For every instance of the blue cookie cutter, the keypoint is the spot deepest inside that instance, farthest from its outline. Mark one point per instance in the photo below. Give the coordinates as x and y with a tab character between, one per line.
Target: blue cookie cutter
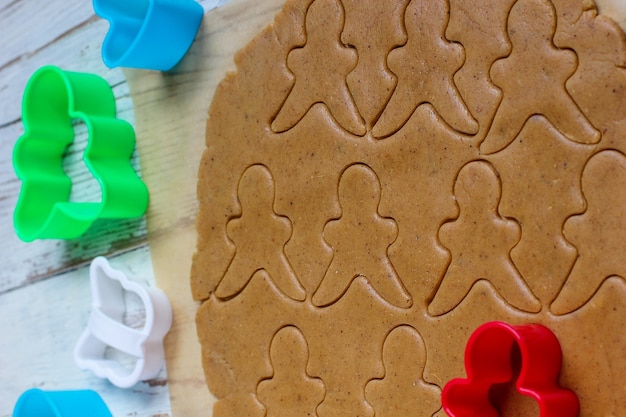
36	402
148	34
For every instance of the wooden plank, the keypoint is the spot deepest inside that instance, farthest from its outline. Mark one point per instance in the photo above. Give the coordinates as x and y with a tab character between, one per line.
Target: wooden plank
28	26
41	324
79	50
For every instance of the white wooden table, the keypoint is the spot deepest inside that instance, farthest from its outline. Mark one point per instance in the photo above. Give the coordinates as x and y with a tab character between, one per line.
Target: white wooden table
44	285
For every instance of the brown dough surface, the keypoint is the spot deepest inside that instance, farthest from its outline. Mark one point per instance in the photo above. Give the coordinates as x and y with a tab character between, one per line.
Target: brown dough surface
383	177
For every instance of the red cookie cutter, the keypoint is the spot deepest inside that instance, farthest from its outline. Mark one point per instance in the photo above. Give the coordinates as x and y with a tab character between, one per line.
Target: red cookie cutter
489	361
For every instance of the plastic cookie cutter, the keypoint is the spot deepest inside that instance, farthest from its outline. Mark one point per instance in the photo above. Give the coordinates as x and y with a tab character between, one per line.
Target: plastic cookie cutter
489	361
52	99
106	329
36	402
148	34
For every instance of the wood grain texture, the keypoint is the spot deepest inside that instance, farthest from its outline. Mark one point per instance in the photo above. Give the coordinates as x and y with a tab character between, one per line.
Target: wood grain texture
20	38
40	326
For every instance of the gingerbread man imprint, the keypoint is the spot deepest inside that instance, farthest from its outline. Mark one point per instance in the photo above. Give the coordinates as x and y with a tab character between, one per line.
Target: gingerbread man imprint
320	68
403	390
480	241
599	234
360	239
546	69
425	67
259	235
290	391
373	30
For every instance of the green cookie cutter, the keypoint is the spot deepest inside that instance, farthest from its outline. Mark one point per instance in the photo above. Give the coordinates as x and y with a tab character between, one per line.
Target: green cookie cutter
52	99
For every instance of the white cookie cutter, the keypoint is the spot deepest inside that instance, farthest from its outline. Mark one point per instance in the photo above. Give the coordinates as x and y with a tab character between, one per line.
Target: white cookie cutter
106	328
